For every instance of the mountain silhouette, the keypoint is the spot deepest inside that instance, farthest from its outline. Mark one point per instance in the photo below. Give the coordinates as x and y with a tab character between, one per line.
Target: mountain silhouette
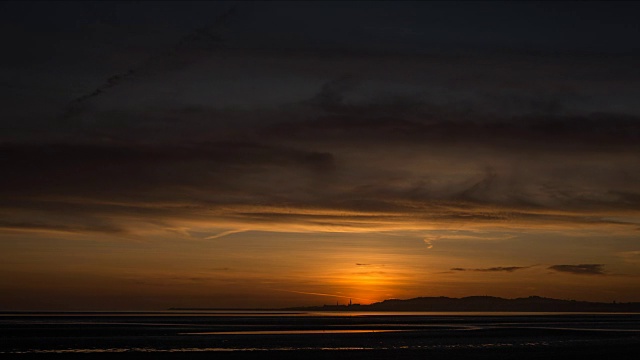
483	303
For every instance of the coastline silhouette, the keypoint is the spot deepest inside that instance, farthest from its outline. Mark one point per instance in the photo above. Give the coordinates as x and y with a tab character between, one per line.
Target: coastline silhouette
470	303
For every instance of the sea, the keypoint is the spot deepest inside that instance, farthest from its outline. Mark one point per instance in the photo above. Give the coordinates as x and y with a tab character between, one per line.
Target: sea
310	335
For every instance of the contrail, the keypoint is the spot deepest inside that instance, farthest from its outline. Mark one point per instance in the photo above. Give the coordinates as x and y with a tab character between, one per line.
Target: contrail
206	36
225	233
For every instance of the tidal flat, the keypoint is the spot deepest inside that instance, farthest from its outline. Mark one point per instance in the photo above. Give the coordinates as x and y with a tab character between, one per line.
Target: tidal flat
317	335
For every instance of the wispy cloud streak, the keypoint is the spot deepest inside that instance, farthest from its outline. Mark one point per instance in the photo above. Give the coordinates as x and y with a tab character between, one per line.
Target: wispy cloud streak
494	269
323	294
225	233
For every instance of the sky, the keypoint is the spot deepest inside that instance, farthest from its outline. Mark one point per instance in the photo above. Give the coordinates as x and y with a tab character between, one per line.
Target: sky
249	154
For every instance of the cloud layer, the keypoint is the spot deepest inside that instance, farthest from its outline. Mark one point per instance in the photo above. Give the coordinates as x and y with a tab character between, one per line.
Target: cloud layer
494	269
581	269
276	138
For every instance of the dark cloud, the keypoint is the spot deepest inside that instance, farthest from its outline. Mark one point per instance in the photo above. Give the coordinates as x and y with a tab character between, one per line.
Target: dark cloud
494	269
590	132
369	139
581	269
60	228
251	185
126	168
332	94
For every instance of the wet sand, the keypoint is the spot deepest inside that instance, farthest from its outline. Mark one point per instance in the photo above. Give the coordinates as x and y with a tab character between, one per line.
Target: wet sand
594	351
320	337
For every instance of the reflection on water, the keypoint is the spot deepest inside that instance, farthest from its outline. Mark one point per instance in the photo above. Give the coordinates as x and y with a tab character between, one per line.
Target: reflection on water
217	331
290	332
152	350
270	349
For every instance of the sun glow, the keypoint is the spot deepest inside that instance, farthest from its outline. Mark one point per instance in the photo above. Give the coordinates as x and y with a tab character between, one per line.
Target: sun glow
367	284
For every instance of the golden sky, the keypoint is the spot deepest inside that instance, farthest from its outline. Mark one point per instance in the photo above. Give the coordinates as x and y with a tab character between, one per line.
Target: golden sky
209	157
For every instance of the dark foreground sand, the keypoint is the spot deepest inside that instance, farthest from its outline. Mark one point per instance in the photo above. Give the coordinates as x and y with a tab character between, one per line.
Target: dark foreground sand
617	351
609	337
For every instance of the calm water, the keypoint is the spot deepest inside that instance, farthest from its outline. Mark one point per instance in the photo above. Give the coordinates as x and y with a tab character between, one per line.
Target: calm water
232	331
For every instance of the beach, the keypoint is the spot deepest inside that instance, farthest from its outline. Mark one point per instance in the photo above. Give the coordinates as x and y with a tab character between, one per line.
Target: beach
295	335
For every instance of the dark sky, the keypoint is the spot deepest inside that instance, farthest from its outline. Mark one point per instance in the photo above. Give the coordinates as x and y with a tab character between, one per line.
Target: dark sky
55	51
276	145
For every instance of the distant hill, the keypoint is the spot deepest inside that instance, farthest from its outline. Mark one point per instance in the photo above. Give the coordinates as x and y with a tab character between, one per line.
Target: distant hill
481	303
